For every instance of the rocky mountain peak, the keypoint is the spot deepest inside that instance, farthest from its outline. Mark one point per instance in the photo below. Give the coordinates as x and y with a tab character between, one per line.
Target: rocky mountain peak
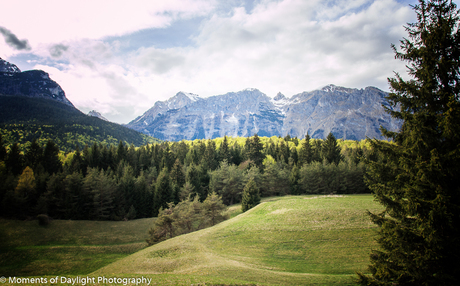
279	97
6	67
33	83
185	95
94	113
334	88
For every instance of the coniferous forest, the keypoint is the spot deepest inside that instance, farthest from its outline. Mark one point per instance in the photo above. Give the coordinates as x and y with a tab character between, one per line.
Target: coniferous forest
117	182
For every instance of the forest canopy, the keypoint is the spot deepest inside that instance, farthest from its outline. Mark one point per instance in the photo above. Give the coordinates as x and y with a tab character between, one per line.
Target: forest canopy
117	181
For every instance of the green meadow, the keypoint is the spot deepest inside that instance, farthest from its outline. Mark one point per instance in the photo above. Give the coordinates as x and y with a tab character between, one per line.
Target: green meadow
292	240
66	246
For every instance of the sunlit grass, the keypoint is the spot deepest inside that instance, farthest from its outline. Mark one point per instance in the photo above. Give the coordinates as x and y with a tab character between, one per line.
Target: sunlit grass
293	240
283	241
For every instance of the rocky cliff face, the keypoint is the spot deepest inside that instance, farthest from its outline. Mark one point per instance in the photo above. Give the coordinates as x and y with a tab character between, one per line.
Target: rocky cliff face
34	83
348	113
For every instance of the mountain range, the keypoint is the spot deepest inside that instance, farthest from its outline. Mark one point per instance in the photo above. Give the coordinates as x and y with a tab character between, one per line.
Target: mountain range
348	113
32	105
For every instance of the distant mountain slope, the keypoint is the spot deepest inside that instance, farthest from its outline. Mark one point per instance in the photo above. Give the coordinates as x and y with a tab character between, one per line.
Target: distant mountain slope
34	106
24	118
348	113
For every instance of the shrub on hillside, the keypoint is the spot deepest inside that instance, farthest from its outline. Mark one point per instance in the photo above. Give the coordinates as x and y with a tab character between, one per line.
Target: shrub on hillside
43	219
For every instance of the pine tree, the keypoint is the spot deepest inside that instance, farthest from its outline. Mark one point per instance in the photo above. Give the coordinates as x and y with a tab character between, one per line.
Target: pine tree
52	163
34	155
254	151
306	152
121	152
224	151
418	181
14	160
251	196
330	150
162	191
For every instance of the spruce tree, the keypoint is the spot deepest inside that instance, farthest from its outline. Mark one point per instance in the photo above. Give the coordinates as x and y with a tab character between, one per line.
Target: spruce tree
417	181
251	196
14	160
330	150
52	163
33	155
162	191
306	152
224	151
255	151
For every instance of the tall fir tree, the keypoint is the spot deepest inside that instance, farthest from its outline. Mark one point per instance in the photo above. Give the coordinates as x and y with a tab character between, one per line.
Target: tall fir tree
330	150
162	191
255	151
306	152
14	160
251	196
33	155
52	163
418	181
224	151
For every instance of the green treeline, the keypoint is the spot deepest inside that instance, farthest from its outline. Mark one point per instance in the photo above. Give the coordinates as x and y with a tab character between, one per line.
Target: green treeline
117	181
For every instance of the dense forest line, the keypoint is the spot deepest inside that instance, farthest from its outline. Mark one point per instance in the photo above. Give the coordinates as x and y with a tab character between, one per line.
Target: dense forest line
115	182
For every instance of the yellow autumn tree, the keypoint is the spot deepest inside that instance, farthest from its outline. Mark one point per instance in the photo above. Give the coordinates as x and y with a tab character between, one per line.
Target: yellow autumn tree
26	183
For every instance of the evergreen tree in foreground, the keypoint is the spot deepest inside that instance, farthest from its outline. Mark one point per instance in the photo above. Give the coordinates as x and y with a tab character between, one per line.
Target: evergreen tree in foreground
418	178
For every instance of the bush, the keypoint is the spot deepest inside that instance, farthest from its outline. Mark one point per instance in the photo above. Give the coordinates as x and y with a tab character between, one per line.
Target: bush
43	219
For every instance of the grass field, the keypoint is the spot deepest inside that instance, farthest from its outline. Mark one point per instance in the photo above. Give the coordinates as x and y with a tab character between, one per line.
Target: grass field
67	247
304	240
301	240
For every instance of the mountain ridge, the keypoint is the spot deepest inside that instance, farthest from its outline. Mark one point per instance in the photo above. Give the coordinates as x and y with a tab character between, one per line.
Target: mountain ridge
348	113
32	105
32	83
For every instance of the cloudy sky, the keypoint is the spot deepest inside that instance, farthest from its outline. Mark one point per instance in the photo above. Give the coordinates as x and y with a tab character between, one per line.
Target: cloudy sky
119	57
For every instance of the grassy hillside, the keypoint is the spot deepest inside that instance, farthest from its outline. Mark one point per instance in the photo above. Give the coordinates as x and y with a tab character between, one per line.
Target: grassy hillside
23	118
303	240
66	246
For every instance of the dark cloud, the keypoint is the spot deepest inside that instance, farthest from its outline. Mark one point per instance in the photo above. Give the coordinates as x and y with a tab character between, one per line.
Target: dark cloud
13	41
57	50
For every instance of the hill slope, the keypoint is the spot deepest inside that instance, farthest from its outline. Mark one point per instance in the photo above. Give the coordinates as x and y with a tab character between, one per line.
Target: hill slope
284	241
24	118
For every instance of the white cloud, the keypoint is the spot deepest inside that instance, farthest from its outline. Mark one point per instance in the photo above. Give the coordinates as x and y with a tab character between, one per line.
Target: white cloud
286	46
54	21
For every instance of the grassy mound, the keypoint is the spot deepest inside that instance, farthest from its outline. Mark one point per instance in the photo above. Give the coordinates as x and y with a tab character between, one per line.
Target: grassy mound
302	240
